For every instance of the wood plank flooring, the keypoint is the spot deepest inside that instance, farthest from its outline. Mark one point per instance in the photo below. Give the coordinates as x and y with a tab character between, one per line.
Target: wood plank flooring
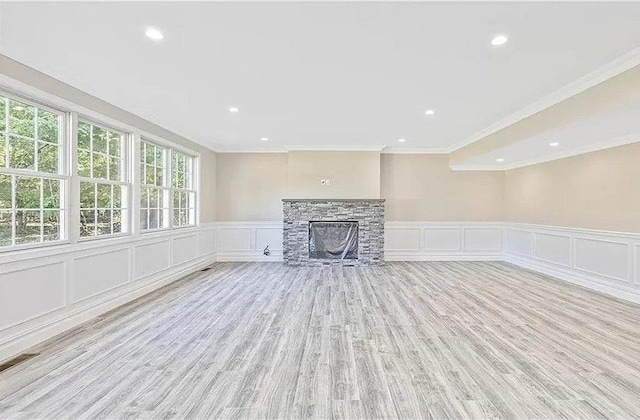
407	340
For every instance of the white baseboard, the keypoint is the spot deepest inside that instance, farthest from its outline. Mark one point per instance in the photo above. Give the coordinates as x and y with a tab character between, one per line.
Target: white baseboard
241	256
589	282
389	256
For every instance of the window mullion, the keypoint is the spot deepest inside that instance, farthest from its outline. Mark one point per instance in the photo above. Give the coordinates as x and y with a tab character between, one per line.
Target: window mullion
170	185
136	190
13	210
73	196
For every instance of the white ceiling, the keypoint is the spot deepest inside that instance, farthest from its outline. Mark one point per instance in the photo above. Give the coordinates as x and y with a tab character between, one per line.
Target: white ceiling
348	75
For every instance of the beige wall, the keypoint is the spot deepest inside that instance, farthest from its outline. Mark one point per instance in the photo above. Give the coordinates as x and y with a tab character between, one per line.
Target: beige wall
352	174
251	186
422	188
599	190
208	187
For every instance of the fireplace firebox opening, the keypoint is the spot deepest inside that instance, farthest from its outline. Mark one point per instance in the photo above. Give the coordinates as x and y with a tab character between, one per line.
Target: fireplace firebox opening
334	240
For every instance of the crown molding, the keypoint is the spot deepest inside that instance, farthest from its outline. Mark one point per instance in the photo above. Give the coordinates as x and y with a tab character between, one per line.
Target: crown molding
416	151
250	150
609	70
476	167
594	147
336	148
576	151
381	149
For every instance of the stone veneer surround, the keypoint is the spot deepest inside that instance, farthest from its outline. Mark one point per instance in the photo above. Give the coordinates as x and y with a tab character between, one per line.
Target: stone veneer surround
369	213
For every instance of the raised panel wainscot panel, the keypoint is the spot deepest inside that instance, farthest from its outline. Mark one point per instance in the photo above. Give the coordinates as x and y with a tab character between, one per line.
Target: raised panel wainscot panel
184	249
151	258
234	239
553	248
482	239
271	237
95	274
207	242
519	242
442	239
606	258
28	293
401	239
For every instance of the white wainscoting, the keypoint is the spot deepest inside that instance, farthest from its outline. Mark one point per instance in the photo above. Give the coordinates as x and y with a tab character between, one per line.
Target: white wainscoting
246	241
404	241
603	261
442	241
48	290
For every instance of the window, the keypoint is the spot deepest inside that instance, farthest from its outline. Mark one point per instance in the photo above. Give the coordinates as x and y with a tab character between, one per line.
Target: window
32	177
154	191
37	179
183	189
103	186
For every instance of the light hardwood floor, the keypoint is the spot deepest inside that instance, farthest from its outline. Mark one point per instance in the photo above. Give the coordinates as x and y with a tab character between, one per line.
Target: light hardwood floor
408	340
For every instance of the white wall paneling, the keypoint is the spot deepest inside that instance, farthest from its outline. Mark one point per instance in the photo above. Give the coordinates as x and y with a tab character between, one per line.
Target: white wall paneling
519	242
445	241
482	239
603	261
150	258
184	249
553	248
402	239
636	264
27	293
98	272
46	291
245	241
603	257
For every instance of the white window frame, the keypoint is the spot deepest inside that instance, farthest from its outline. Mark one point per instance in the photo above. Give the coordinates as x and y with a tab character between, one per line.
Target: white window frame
165	188
195	185
72	112
126	181
63	174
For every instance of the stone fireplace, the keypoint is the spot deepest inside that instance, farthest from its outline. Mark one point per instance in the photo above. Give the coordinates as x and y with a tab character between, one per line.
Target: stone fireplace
333	231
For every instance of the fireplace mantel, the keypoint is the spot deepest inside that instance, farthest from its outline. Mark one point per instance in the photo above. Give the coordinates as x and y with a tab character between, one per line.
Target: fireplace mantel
298	212
338	200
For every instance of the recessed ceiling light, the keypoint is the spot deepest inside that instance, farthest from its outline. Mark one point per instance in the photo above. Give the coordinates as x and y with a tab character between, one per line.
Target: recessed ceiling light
429	112
499	160
265	139
153	33
234	109
554	144
401	140
499	40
